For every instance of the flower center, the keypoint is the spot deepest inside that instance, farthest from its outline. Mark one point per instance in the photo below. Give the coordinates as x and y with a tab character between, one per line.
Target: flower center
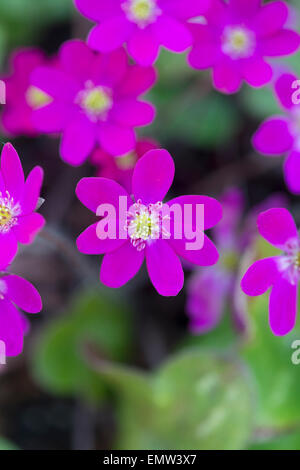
95	101
238	42
145	223
127	161
289	262
37	98
141	12
9	211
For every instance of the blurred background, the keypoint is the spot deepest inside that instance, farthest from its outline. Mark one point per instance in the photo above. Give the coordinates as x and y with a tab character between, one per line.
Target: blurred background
129	369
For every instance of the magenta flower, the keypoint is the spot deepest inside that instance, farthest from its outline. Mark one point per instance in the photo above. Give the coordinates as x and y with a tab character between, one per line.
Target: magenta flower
281	134
138	235
21	97
95	101
211	290
281	273
145	25
120	169
237	38
19	223
16	292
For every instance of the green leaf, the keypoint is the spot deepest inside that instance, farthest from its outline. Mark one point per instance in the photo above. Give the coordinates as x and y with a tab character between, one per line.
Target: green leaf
59	361
7	445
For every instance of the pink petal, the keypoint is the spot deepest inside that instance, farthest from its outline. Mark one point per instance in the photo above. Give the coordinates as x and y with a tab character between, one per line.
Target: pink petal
52	117
110	34
120	266
186	10
11	328
22	293
260	277
164	268
285	90
32	190
292	172
98	11
78	140
55	83
28	227
205	51
12	172
257	72
212	208
277	226
89	243
130	113
227	77
153	176
115	139
207	256
217	14
282	43
172	34
283	307
76	59
244	9
273	137
138	80
271	18
110	69
9	248
95	191
143	47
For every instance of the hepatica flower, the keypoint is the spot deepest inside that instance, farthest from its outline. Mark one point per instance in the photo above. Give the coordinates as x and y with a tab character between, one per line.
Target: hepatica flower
280	273
238	38
140	232
21	97
16	293
94	101
280	134
145	25
121	168
19	223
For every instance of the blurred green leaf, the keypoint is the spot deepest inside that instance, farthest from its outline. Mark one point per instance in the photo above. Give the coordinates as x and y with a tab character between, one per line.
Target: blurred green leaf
197	400
7	445
59	362
288	441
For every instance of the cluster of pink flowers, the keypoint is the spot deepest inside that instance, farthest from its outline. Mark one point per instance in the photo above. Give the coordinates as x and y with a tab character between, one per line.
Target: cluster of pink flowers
19	223
91	95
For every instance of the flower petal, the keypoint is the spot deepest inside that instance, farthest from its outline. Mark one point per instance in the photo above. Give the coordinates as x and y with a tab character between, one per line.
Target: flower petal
32	190
55	83
283	307
186	10
11	328
257	72
12	172
292	172
22	293
143	47
285	90
115	139
78	140
76	59
207	256
164	268
130	113
95	191
273	137
212	208
137	81
172	34
90	244
244	9
53	117
153	176
227	77
98	11
205	51
9	248
110	34
277	226
260	277
28	227
121	265
284	42
271	18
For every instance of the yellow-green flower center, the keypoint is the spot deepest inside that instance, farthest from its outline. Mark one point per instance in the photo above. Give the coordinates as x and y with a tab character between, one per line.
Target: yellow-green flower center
238	42
37	98
141	12
127	161
5	215
9	212
95	101
144	223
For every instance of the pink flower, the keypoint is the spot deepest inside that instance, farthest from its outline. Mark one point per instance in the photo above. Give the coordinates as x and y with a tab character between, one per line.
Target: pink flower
21	97
236	39
16	292
121	168
19	223
145	25
136	236
95	101
281	134
281	273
